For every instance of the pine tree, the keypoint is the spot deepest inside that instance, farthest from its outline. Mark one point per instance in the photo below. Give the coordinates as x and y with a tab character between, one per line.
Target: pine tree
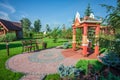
88	10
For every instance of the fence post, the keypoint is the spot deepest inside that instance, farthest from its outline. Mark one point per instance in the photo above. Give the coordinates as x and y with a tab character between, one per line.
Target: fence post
7	47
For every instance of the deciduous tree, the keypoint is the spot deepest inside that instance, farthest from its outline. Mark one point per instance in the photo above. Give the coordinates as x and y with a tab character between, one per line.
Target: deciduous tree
37	25
48	28
26	23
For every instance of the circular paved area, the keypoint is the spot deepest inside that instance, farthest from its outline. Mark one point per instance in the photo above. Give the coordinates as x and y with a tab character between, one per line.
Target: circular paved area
36	65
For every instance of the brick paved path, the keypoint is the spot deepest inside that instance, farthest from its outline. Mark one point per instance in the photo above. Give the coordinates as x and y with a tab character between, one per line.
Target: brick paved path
36	65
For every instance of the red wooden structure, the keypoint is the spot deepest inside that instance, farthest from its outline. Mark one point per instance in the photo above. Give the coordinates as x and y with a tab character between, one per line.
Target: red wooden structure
84	24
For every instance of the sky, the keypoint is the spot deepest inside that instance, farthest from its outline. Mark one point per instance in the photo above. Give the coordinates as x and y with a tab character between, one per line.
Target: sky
52	12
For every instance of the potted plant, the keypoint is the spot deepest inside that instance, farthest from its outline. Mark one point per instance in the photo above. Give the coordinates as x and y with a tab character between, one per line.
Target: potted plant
44	45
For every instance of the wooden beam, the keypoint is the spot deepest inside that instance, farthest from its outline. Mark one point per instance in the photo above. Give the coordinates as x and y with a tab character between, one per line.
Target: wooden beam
3	26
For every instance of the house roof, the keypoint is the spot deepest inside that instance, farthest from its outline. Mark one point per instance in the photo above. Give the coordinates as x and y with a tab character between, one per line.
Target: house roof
90	20
11	25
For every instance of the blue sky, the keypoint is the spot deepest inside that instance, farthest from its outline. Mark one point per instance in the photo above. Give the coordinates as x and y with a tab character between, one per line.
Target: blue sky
52	12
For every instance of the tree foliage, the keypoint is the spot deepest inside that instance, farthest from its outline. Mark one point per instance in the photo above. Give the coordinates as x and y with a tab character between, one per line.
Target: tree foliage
37	25
55	33
26	23
88	10
113	17
68	33
48	28
110	59
113	20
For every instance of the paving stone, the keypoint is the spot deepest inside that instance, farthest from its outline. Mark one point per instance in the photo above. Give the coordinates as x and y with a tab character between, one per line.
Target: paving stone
37	64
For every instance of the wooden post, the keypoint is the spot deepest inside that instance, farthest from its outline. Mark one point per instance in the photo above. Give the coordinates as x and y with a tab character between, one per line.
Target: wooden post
7	47
97	30
74	39
84	40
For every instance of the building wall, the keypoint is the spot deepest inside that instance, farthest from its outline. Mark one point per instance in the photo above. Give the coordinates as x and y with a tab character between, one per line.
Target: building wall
19	34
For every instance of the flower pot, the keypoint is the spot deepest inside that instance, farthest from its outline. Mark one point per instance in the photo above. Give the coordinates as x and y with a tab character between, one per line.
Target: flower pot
44	45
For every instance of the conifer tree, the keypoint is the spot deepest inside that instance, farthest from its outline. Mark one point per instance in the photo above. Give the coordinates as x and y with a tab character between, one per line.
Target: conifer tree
88	10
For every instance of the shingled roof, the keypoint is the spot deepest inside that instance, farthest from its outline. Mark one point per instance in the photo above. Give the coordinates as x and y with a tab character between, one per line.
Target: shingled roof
11	25
89	19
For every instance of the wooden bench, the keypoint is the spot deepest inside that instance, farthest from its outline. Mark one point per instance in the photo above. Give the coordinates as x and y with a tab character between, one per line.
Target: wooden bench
27	46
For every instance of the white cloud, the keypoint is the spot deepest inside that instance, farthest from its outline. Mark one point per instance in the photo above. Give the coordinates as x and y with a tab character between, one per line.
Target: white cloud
4	15
8	6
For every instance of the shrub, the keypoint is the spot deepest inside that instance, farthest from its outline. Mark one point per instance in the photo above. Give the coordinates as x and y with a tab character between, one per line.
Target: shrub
111	59
102	50
55	33
65	71
52	77
66	45
10	36
83	64
110	77
2	38
31	34
68	71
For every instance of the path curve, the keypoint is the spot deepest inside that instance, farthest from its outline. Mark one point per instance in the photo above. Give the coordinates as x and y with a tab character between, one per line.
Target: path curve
36	65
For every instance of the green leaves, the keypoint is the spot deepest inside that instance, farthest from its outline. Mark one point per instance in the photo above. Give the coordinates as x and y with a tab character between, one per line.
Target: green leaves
37	25
68	71
55	33
110	58
109	8
113	20
52	77
88	10
26	23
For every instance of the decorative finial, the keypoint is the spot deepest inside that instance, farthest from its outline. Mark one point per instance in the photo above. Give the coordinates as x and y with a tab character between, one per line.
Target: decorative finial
77	17
92	15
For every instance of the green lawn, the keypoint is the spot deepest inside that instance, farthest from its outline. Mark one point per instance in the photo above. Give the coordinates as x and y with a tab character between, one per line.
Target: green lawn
16	48
4	73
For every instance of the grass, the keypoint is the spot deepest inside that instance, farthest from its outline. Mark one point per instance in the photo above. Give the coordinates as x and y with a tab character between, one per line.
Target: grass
84	65
16	48
52	77
6	74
